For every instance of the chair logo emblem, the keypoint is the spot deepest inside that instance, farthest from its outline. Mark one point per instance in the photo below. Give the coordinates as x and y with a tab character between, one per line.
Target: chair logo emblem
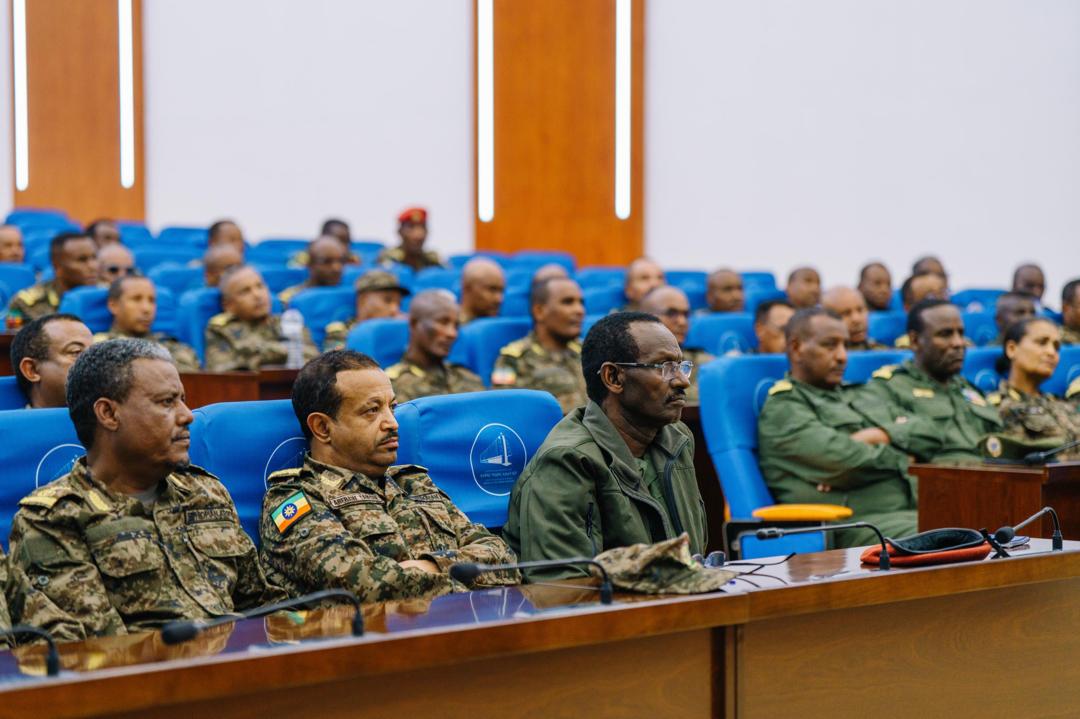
496	458
57	462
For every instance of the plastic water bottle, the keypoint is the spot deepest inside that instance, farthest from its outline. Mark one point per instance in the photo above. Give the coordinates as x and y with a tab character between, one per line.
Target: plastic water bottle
292	328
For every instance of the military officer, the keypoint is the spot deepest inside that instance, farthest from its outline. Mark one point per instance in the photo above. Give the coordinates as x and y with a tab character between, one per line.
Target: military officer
1070	313
114	261
217	261
803	287
413	230
850	306
549	358
770	320
815	447
927	286
643	275
132	301
103	232
620	470
228	234
42	354
349	518
924	405
1029	279
724	291
325	263
246	335
11	244
483	284
672	307
1011	307
875	284
424	371
337	229
378	296
74	259
134	536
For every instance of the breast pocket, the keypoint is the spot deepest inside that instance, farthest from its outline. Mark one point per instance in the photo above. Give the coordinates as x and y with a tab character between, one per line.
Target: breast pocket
219	548
425	524
131	564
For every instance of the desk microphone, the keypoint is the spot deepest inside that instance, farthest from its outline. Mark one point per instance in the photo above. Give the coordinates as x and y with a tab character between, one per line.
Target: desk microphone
52	657
1041	457
467	572
1006	534
778	532
182	630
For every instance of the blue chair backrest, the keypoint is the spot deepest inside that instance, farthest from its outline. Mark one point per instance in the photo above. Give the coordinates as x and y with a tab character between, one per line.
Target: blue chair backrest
437	278
479	342
178	279
604	299
367	249
721	332
687	280
1067	371
758	280
243	443
977	300
587	324
190	236
404	273
39	216
601	277
275	250
515	304
16	276
519	279
322	305
476	444
147	257
383	340
90	304
861	365
278	277
538	258
980	327
39	259
979	367
885	327
134	234
755	297
11	397
39	446
195	309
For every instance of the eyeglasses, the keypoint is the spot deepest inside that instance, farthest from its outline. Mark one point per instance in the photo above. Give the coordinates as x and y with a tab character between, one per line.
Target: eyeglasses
667	369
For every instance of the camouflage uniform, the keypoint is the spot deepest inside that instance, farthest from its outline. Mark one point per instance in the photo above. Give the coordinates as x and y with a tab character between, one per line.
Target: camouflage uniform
1033	423
525	364
232	344
302	258
410	381
392	255
866	346
336	334
1073	393
35	302
113	565
338	528
183	354
288	293
700	358
1070	336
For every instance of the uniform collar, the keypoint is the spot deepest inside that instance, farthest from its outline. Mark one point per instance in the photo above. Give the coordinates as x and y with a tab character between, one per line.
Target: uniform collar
103	498
668	439
956	381
337	477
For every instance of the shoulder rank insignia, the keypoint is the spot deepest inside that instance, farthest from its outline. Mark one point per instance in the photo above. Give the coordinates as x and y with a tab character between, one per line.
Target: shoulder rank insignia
220	320
994	398
394	371
289	511
1074	389
780	386
31	295
335	327
503	376
885	372
974	397
514	349
922	393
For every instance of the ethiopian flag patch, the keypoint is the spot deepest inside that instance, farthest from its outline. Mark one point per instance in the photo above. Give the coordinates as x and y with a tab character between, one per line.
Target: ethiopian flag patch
290	510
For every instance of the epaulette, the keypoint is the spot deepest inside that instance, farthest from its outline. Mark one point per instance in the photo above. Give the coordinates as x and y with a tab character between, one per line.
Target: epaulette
404	470
335	327
31	295
45	497
395	370
574	345
885	372
284	474
220	320
101	337
515	348
994	398
902	342
779	386
1074	389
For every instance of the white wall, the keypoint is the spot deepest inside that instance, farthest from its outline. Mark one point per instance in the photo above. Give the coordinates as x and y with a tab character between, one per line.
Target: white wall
7	138
783	132
281	113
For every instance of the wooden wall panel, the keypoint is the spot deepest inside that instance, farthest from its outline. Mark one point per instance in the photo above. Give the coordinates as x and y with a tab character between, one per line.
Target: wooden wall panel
555	131
74	110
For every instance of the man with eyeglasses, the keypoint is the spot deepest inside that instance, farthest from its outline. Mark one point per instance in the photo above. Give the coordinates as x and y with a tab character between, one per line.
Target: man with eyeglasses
114	262
818	446
620	470
672	306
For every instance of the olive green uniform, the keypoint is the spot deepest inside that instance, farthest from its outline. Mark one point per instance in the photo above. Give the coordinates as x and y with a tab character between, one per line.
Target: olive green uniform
867	346
807	456
113	565
302	259
35	302
396	255
931	421
700	358
526	364
1033	423
583	493
336	334
233	344
182	354
325	526
411	381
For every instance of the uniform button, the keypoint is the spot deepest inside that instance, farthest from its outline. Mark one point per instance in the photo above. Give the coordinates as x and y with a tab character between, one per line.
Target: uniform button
304	531
42	580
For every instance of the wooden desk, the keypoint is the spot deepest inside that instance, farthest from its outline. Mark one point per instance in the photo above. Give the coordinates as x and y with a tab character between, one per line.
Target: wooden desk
707	478
205	388
995	495
990	638
5	353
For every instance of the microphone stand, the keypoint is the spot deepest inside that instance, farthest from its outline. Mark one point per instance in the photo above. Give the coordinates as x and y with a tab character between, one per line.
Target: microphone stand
778	532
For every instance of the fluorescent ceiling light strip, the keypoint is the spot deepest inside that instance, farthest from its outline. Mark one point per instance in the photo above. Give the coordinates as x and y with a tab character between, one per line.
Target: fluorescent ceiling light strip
485	110
22	139
622	108
127	94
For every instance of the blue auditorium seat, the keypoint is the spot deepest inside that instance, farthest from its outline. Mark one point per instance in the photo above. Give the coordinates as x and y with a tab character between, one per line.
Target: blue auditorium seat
178	279
278	277
135	234
538	258
437	278
686	280
383	340
1067	371
243	443
90	305
589	277
194	310
860	365
515	303
11	397
39	446
755	297
519	279
885	327
476	444
604	299
40	217
587	324
980	327
458	261
16	276
979	367
179	236
758	280
977	300
147	257
275	251
479	342
733	390
322	305
39	260
720	333
367	250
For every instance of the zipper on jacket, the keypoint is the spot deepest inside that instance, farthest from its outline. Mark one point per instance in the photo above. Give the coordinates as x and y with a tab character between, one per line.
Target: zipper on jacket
669	491
589	528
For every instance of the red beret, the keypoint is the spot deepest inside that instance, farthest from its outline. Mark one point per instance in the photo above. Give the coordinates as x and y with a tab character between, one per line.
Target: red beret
413	214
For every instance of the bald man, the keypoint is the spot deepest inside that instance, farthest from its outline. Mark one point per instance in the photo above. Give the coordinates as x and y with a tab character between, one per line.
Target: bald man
672	307
11	244
326	264
724	292
804	287
642	277
850	306
550	271
424	371
115	261
217	261
482	287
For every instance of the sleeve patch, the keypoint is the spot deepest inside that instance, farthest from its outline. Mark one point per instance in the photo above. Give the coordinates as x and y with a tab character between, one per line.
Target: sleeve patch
289	511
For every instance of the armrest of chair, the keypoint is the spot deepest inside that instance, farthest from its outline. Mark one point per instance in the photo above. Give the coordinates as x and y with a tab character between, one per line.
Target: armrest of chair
802	512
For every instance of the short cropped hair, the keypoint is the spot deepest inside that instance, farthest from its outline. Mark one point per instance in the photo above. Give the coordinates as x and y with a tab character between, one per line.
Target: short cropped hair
216	228
761	312
31	342
609	340
540	292
56	245
104	370
915	321
116	287
315	389
869	266
1068	293
799	324
332	222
